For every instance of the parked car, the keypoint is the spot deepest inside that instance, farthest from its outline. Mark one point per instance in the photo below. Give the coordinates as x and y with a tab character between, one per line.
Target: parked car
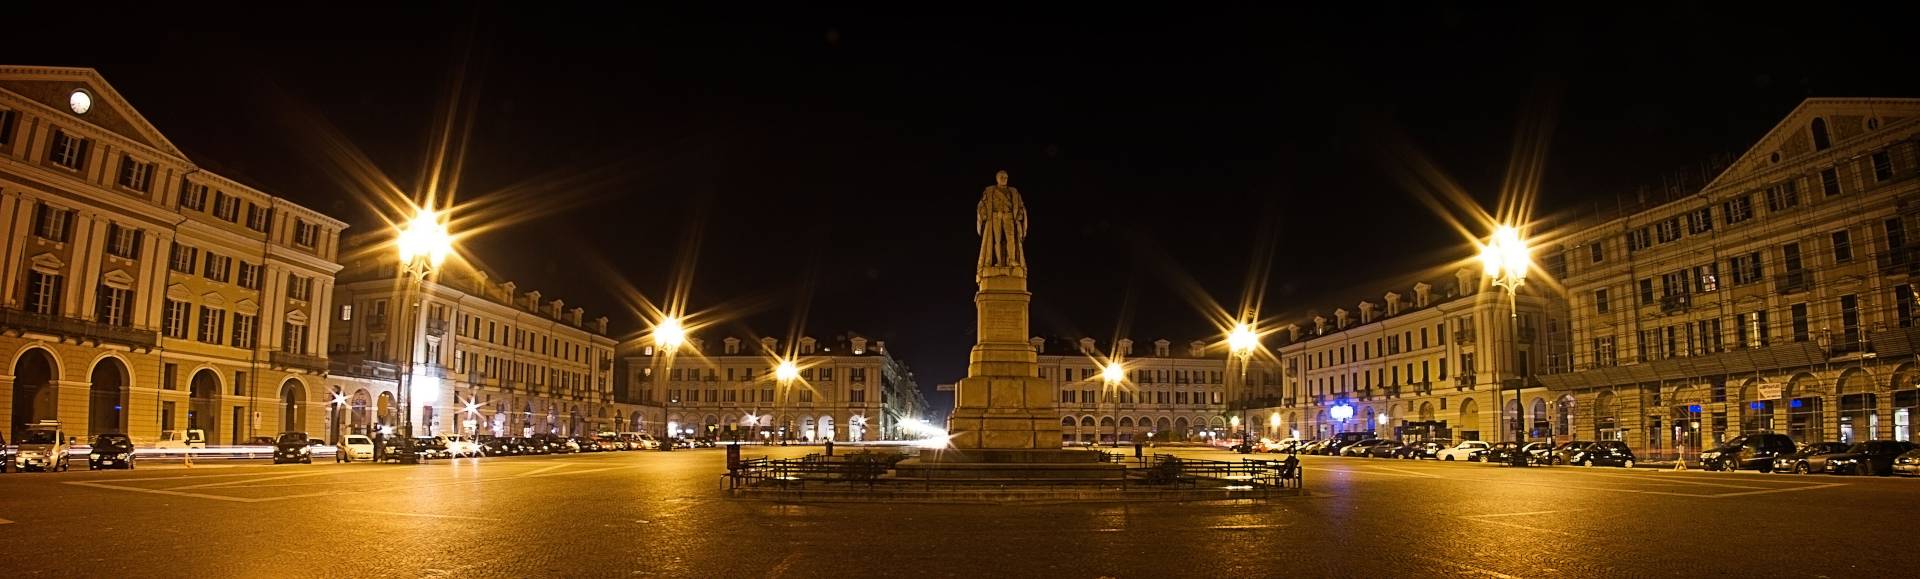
431	447
403	450
353	447
110	451
1873	457
1748	451
1812	457
1322	447
1563	454
1383	449
1603	453
1536	452
1284	445
587	444
641	440
262	441
1359	448
1466	450
500	445
1907	464
1429	448
1346	439
42	447
458	444
293	447
194	438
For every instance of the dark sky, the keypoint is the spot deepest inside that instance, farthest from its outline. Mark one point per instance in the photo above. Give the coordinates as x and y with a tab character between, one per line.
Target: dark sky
843	149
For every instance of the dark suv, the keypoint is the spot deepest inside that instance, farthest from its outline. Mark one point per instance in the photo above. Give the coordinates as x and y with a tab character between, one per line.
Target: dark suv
1748	451
1605	452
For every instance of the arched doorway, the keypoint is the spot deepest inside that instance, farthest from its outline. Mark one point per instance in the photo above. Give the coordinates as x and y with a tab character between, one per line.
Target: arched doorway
1069	430
1470	419
1107	435
1606	424
1859	407
35	397
1756	415
1426	411
1510	419
383	411
107	398
1163	429
1542	427
293	406
573	421
359	417
1806	399
1180	428
825	428
1126	429
1563	410
857	428
202	402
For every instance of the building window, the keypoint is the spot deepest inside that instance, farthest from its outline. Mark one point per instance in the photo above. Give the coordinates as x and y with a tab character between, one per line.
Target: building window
1896	233
1737	209
259	217
1799	315
183	258
1668	231
1746	268
299	287
1597	251
115	306
1646	292
1830	181
6	126
175	324
1638	239
1882	166
43	293
305	234
218	267
192	195
135	175
68	151
1706	278
250	275
1903	298
1783	196
346	312
123	242
226	207
1842	247
213	325
243	330
1820	139
295	339
52	223
1700	221
1850	321
1603	354
1753	328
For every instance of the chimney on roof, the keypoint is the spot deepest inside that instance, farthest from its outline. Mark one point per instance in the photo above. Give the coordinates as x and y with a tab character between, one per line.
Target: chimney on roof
880	346
699	345
1422	292
600	324
731	344
1293	333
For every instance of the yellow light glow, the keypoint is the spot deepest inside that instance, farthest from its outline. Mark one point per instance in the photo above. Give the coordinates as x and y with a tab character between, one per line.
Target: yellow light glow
340	399
668	334
1242	340
1273	421
1113	373
786	371
1506	255
425	236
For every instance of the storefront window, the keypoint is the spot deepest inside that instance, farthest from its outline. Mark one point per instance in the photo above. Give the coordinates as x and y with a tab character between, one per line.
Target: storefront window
1858	421
1803	420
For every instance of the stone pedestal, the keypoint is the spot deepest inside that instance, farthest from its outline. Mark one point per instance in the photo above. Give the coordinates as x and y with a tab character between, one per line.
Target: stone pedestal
1002	403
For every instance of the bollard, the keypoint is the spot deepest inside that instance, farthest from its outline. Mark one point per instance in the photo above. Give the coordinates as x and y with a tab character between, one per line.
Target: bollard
733	457
829	447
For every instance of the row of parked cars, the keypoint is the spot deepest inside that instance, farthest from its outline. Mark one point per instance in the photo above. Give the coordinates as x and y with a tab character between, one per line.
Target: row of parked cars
1580	452
296	447
1769	452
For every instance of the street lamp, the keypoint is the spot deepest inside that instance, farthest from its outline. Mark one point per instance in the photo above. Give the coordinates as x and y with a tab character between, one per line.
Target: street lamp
668	335
1113	375
1241	341
1340	413
784	374
339	402
422	243
1506	259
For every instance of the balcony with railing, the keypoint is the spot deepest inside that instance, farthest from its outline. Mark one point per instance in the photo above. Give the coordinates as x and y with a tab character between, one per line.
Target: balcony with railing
1677	302
363	369
1528	334
1793	282
1463	337
436	327
1898	260
435	371
296	360
82	330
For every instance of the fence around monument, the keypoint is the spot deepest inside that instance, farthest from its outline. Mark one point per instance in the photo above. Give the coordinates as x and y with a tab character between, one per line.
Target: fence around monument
1161	471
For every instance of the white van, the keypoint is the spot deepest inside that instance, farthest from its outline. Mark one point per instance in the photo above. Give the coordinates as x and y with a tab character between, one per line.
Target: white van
194	438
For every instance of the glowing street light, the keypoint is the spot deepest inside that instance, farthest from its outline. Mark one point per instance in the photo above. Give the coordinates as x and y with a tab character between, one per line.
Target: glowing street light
425	236
1505	259
668	334
1113	375
786	372
422	244
1241	341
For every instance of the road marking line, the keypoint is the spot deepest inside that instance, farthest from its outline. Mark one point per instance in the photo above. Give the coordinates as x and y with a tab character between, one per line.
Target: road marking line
241	482
1245	527
401	514
1372	472
5	522
541	470
1518	514
1520	526
168	492
1466	567
1410	472
1787	490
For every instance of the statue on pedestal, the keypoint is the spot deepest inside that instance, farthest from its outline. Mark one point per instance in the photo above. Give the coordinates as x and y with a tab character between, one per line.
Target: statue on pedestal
1001	222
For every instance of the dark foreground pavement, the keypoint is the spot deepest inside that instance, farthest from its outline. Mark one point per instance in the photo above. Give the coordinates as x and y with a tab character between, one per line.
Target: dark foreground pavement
662	514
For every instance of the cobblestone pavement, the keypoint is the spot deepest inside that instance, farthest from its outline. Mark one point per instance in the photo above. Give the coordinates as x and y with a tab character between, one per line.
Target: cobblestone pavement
663	514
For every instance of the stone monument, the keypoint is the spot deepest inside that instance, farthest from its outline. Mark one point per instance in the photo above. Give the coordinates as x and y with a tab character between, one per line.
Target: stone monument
1002	403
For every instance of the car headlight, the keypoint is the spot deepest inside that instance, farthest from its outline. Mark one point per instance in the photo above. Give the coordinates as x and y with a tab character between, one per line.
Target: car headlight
1710	454
1842	461
305	450
94	455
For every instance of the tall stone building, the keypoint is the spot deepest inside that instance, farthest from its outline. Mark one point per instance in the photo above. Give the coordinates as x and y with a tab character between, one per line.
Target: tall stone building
849	389
1777	298
1169	392
143	292
523	363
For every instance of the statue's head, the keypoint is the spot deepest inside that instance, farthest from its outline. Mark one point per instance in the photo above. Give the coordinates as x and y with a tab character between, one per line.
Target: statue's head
1001	178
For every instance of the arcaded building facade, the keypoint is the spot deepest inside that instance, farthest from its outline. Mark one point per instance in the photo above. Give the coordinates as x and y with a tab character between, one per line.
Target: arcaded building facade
142	292
1778	298
849	389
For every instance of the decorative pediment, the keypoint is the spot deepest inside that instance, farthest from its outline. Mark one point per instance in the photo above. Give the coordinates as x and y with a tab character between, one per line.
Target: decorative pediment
297	317
1845	118
117	279
178	292
213	299
48	263
55	86
246	306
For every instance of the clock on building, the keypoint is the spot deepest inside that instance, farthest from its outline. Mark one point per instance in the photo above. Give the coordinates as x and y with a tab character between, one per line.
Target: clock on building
80	101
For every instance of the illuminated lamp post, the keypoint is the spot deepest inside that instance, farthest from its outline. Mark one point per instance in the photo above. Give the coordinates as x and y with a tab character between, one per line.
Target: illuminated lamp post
1113	376
1241	341
422	244
784	374
1505	260
668	336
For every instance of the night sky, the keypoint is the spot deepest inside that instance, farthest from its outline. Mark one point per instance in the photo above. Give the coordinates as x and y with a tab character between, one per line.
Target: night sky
832	157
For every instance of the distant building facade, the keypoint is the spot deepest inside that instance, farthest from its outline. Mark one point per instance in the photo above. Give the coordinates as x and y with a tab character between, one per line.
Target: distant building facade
1779	298
524	364
144	293
1168	394
849	389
